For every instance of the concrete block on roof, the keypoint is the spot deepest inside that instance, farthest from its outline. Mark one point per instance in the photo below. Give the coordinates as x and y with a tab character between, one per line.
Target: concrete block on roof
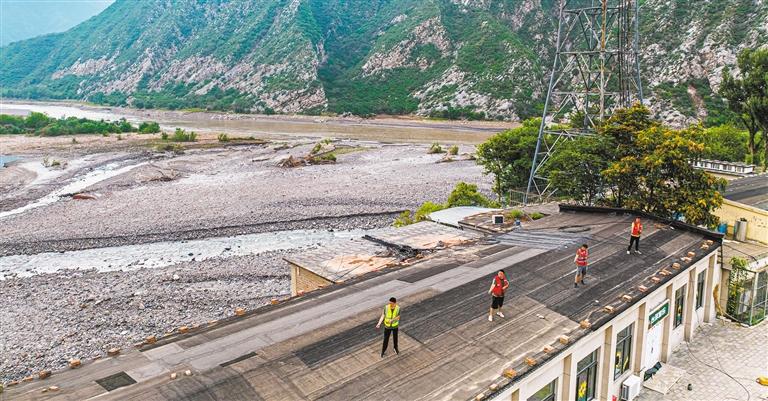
510	373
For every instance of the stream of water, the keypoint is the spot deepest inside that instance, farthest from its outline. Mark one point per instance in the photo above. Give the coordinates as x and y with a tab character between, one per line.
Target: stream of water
161	254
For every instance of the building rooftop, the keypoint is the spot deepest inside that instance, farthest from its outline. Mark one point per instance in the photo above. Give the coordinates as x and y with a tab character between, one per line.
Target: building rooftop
751	191
756	254
324	345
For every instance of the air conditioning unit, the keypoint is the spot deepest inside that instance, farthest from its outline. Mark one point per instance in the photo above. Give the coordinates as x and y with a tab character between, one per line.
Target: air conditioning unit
498	219
630	388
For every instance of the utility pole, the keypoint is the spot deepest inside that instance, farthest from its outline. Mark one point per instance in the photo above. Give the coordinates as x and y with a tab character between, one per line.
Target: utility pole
596	70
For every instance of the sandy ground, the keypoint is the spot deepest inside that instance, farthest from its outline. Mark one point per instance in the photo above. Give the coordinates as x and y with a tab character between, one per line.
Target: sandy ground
209	191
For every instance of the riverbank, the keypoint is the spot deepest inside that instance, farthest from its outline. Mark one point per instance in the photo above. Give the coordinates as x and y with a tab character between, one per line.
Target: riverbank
410	129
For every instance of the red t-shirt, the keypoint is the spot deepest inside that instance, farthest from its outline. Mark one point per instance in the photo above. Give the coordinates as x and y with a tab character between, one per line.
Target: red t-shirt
581	256
498	286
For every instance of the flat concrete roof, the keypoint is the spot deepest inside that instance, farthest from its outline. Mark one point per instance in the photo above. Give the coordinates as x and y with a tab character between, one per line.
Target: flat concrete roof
752	191
324	345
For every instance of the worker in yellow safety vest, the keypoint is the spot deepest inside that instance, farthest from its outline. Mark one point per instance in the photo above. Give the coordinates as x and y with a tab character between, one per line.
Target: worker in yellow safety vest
391	319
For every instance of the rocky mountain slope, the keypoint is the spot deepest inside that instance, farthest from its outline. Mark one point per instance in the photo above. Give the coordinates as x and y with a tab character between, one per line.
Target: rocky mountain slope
469	58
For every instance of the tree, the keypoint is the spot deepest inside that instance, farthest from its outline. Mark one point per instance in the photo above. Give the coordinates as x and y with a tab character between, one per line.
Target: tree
726	142
747	96
575	169
636	163
508	156
666	183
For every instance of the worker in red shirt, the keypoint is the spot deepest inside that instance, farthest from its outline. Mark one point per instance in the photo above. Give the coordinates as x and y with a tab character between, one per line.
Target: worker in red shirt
581	265
498	287
634	237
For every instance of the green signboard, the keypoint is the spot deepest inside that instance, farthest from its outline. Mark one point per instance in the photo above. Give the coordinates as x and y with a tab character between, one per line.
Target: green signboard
658	314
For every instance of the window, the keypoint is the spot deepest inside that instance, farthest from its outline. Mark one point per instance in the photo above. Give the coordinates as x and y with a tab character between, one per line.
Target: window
547	393
700	279
679	306
586	378
623	351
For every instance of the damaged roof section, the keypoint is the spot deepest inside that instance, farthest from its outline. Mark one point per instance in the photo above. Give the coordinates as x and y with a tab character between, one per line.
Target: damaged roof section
349	258
345	259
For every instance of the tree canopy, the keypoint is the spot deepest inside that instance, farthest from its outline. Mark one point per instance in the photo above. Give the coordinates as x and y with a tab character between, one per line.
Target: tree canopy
631	162
747	96
508	156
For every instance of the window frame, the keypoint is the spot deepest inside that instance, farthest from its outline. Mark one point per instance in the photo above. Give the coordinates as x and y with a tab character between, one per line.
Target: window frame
624	344
701	282
591	371
552	396
679	316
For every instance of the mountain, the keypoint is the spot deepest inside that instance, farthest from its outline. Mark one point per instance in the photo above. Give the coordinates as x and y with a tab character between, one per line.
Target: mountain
440	57
24	19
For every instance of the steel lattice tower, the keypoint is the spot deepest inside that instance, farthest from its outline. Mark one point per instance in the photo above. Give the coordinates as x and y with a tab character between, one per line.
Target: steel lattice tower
595	71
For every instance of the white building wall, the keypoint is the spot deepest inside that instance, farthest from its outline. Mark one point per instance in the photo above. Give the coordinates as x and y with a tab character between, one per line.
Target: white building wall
563	367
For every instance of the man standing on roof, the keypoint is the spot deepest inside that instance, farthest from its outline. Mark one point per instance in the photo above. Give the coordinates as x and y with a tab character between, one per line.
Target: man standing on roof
391	319
581	265
634	237
498	287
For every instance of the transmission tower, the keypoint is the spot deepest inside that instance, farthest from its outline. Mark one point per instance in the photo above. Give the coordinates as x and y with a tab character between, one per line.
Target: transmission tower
595	71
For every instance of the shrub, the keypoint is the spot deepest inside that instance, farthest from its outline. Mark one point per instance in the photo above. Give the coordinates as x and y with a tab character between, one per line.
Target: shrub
435	148
403	219
149	127
170	147
426	208
223	138
328	157
74	141
164	136
515	214
183	136
536	215
467	195
453	150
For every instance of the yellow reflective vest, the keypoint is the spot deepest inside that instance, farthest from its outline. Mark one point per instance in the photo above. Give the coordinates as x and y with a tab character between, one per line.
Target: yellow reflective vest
390	315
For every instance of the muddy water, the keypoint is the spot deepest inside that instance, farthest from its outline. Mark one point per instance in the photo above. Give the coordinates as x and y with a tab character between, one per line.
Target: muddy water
161	254
268	127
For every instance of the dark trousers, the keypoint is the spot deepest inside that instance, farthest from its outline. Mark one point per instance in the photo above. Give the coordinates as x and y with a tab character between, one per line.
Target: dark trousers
387	332
634	240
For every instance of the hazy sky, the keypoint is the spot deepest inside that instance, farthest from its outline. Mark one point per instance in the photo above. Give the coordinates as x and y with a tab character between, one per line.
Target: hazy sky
23	19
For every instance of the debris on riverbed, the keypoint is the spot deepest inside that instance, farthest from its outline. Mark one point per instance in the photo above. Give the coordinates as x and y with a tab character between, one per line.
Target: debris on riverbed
84	196
321	153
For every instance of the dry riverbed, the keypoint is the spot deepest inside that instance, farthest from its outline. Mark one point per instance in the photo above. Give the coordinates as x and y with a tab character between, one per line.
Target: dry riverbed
72	285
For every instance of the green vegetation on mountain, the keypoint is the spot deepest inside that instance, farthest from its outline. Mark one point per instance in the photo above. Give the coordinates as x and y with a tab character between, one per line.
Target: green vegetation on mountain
469	59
